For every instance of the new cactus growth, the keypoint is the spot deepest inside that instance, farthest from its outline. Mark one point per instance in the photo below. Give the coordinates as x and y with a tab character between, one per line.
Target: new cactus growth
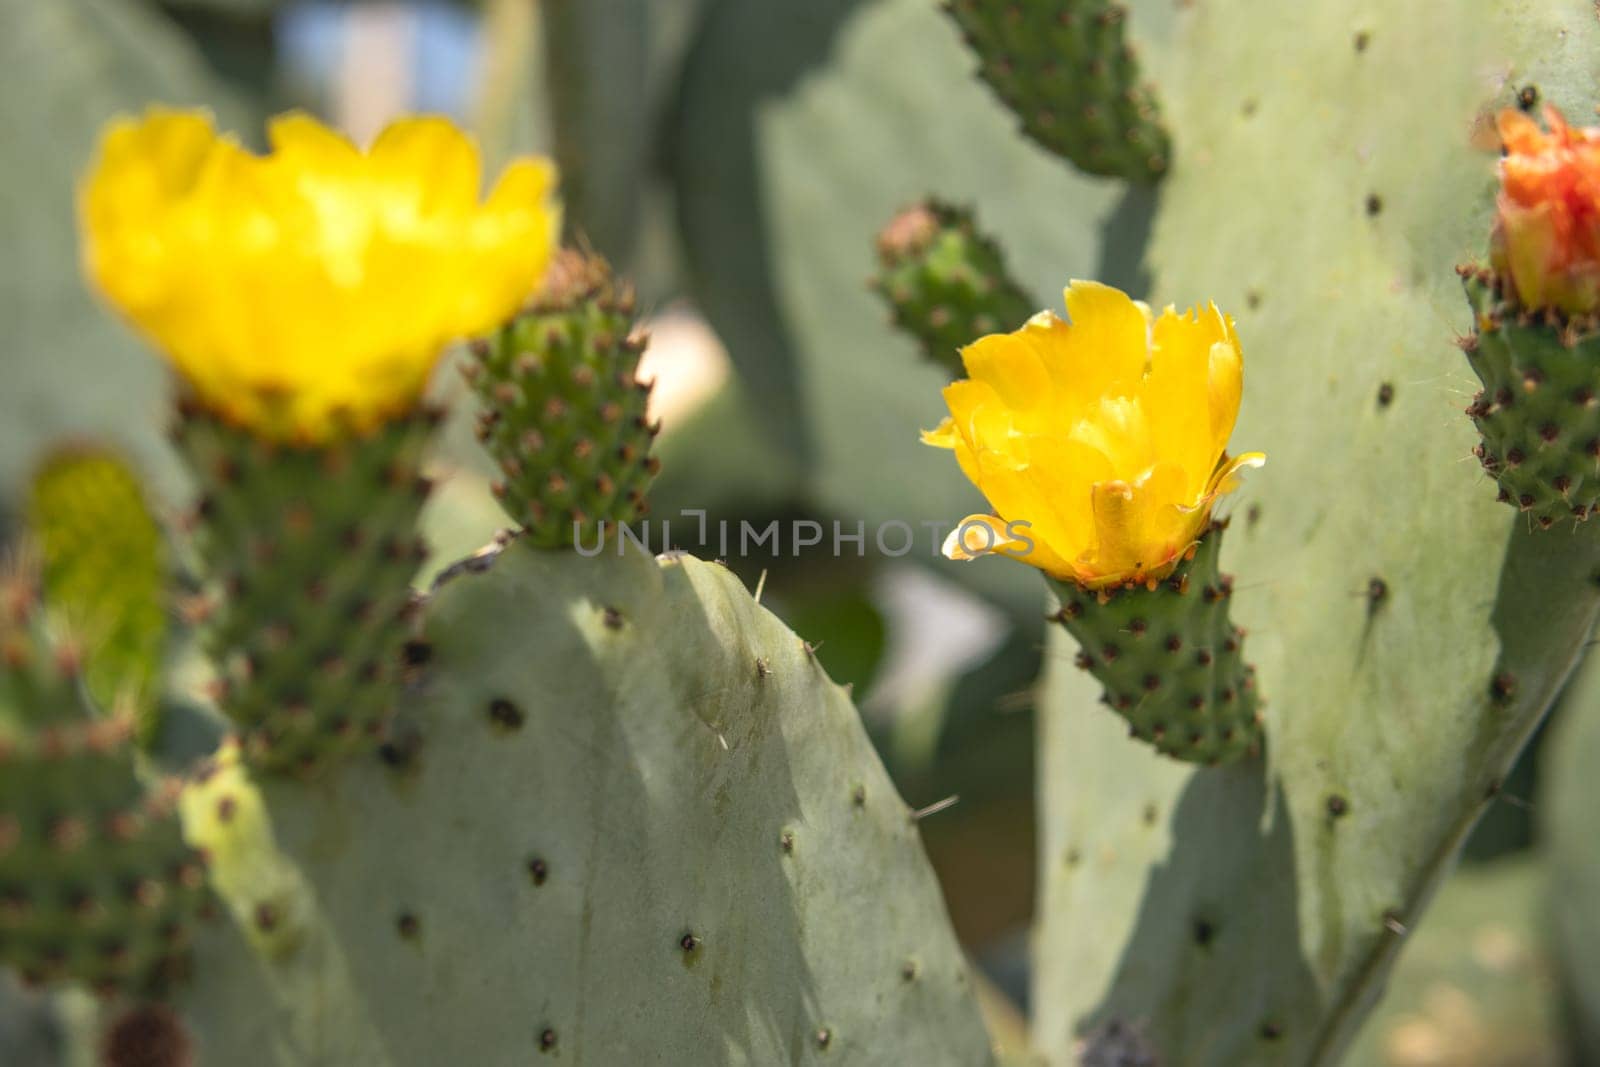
564	413
1538	413
945	282
1067	71
96	883
1535	344
310	553
1170	658
104	569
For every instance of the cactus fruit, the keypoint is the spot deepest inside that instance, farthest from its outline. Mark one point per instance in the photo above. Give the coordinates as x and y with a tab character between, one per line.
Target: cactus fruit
104	570
564	412
96	883
310	551
1171	659
1065	68
1538	411
666	816
945	282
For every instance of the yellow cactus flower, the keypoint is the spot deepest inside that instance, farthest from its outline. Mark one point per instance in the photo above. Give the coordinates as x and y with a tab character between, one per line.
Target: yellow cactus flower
1100	444
309	292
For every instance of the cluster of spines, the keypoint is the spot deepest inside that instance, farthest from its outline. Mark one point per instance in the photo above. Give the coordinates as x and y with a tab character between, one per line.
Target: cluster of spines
96	883
1538	413
1170	659
309	552
565	415
1067	71
945	282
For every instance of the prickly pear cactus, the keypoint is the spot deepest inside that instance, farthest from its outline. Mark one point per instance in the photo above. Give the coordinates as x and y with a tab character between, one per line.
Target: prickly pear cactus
105	572
655	833
1170	658
946	282
564	413
1409	632
96	884
310	552
1537	411
1066	69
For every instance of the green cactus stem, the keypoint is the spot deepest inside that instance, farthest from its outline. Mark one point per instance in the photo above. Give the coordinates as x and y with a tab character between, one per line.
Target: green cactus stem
104	561
96	883
1539	409
1065	68
564	412
1170	658
310	552
945	282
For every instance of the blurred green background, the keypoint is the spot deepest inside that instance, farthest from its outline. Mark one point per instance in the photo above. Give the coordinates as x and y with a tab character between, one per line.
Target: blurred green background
735	157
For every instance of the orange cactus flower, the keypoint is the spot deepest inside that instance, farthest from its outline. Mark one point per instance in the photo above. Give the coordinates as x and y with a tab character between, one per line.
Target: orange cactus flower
1546	238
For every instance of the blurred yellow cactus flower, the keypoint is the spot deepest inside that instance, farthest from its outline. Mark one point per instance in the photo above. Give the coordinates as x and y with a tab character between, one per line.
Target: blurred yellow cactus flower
308	293
1100	443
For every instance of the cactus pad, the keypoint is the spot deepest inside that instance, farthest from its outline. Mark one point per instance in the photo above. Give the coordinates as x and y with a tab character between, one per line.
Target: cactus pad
1408	631
310	552
1171	660
655	833
1065	68
564	412
105	572
1539	409
96	884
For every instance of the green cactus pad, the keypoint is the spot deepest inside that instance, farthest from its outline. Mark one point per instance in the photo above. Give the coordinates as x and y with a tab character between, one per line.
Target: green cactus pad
1539	410
564	412
654	832
1065	68
1408	631
945	282
96	884
105	572
1171	660
310	552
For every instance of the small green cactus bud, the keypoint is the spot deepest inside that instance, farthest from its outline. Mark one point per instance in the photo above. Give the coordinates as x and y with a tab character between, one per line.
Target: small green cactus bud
309	551
105	573
1539	409
96	883
1170	658
945	282
564	414
1065	68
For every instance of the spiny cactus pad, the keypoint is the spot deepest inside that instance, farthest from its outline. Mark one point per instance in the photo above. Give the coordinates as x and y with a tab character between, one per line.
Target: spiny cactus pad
1067	71
96	884
1171	660
1409	631
105	572
945	282
1539	409
310	553
564	412
655	833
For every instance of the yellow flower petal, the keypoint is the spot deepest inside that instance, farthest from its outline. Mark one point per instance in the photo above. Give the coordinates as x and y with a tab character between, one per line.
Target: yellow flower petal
1101	440
309	292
